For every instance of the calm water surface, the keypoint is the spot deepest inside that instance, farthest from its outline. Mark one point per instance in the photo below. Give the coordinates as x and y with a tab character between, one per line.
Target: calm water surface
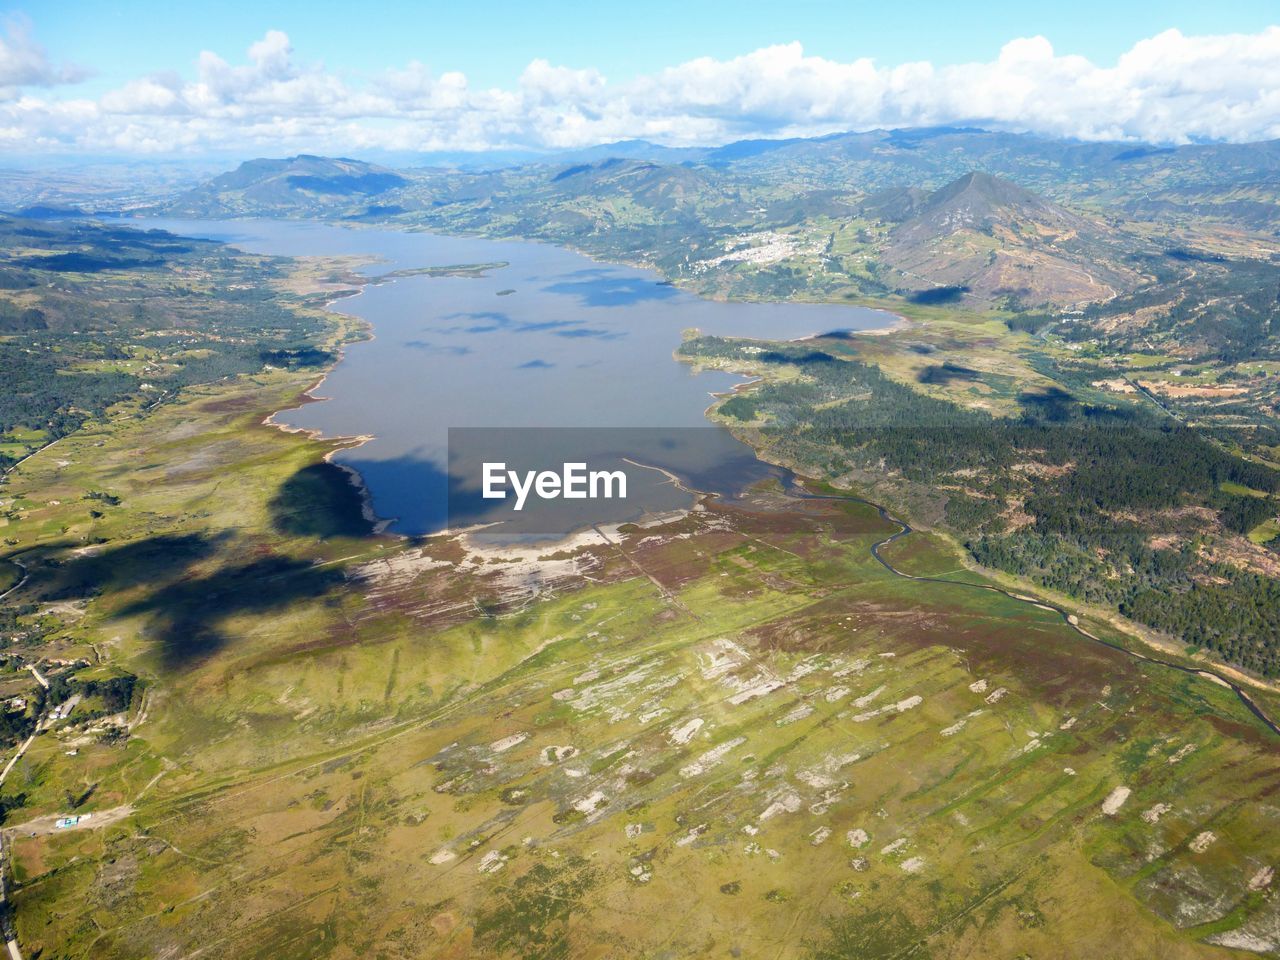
554	339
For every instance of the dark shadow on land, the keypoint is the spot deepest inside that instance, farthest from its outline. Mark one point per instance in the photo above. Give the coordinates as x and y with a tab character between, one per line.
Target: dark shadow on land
938	295
185	615
319	501
1118	416
1050	403
77	262
801	359
1194	256
184	606
57	575
945	373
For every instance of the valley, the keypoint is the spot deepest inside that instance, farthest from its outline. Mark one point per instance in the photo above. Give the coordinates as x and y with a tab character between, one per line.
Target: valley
723	700
1035	716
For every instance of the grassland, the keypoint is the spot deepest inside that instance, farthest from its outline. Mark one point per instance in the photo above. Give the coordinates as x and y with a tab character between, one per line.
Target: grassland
734	732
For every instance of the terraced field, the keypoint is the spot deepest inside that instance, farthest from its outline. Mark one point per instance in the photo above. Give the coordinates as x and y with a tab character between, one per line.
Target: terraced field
732	733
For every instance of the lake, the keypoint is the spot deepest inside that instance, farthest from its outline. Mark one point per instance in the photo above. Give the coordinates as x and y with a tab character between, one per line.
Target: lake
554	355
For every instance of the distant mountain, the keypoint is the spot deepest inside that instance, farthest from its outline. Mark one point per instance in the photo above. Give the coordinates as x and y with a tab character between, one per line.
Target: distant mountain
295	185
630	150
51	211
1235	182
659	187
894	204
993	240
990	218
981	202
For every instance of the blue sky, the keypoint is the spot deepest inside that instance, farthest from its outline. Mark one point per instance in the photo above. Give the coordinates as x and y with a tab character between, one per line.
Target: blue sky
492	40
243	77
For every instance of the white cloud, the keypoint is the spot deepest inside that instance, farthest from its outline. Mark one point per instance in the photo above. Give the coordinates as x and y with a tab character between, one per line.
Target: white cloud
24	63
1168	88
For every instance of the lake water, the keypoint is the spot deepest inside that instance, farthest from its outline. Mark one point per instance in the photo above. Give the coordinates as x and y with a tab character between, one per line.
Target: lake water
553	340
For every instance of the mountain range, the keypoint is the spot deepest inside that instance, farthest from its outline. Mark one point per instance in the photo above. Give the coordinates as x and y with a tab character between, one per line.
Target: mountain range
993	219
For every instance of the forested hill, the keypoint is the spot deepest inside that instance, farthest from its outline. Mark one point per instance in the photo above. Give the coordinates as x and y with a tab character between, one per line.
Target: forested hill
1108	503
92	314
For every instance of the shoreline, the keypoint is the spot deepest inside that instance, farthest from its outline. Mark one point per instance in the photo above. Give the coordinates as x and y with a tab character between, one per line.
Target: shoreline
590	535
380	525
1146	637
898	325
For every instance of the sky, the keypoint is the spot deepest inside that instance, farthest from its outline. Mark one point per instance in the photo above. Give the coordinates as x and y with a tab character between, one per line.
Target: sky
167	79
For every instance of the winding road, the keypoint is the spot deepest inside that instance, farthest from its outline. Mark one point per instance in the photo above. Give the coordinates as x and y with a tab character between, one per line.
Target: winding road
23	579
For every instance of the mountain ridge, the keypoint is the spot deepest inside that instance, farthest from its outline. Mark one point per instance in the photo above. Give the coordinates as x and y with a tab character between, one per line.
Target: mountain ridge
273	185
995	240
